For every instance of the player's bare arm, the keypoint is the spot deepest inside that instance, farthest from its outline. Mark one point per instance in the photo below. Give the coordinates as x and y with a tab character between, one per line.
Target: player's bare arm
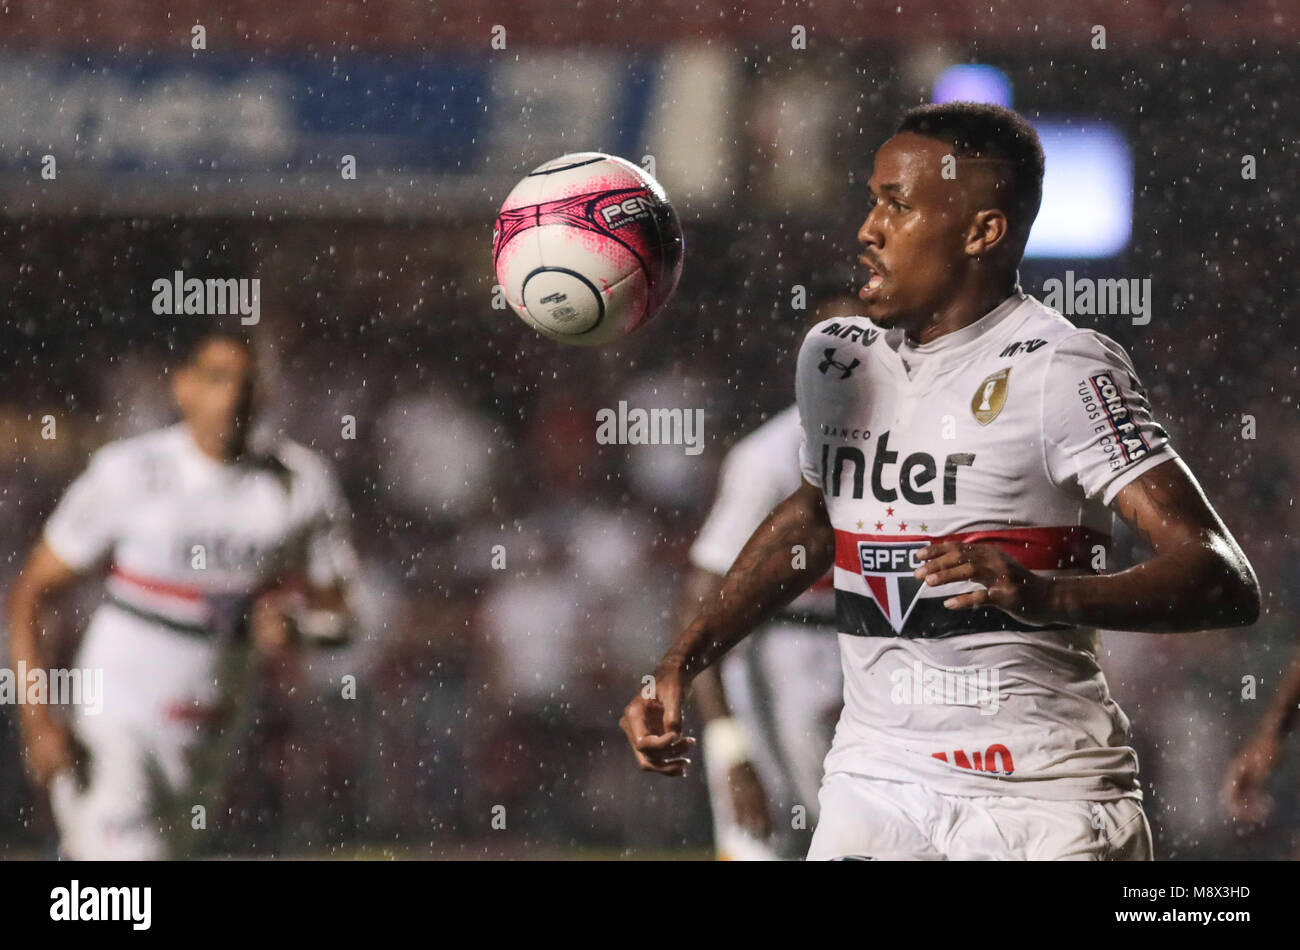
763	578
1197	579
46	741
319	616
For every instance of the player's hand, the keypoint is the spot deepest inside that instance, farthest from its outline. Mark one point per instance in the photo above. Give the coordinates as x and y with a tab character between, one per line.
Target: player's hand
48	749
1243	793
749	800
652	723
1007	584
268	624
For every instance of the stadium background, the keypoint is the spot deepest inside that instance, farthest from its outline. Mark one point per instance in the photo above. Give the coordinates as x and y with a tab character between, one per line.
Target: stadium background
482	687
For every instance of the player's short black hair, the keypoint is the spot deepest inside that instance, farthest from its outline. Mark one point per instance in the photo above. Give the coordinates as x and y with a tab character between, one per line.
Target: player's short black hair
981	130
186	343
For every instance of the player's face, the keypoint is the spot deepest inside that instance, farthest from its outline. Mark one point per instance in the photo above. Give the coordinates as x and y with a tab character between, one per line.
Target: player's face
914	239
215	395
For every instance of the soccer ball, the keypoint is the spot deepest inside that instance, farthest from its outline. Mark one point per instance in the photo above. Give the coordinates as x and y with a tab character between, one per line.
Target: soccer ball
587	248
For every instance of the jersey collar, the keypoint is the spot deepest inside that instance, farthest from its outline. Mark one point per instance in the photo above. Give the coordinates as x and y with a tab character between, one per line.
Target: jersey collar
957	339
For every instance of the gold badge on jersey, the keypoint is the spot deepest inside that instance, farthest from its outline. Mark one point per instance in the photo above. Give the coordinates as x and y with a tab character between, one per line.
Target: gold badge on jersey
990	397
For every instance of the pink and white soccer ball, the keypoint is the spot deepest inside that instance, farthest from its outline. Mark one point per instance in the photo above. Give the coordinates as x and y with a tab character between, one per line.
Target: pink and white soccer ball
587	248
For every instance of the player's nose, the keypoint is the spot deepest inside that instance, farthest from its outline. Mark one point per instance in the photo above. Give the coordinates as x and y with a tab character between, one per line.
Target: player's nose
869	233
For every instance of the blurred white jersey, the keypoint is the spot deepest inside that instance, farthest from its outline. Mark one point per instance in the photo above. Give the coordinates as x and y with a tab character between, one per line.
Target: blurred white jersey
759	472
190	542
783	682
1016	430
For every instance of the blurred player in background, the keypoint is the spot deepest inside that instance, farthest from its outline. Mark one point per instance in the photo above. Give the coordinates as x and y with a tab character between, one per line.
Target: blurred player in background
965	449
770	707
210	536
1244	788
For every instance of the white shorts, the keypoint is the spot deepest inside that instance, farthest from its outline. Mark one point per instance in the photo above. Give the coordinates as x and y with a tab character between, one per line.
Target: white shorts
864	817
158	685
115	817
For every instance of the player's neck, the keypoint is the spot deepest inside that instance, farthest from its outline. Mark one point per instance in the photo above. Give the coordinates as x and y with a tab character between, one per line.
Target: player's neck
212	447
964	309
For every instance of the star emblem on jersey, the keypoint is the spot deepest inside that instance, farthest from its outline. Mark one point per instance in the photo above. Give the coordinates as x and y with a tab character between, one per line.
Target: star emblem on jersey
990	397
887	568
846	369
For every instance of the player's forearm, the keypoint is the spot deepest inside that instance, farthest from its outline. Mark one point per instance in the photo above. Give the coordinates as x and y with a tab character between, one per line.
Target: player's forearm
699	589
1198	585
24	610
790	549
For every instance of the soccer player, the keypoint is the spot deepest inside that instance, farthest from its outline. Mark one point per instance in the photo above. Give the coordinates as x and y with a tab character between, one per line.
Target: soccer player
770	709
964	450
206	532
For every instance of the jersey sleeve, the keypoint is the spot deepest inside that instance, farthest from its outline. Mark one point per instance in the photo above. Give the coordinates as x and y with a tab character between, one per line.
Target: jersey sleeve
1098	430
803	389
807	468
746	495
85	525
329	554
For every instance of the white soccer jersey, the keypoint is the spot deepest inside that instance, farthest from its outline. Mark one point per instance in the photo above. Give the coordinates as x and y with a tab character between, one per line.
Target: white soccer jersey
760	471
1016	430
190	542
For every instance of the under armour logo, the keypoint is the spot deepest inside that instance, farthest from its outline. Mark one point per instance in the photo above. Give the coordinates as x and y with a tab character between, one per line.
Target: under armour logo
845	368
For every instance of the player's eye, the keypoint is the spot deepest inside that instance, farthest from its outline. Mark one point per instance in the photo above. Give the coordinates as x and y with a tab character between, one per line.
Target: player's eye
897	205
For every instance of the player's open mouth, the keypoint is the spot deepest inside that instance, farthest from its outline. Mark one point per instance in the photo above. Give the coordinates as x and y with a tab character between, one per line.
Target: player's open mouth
873	283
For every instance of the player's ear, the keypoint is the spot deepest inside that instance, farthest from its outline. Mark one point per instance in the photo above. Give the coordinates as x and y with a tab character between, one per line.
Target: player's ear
988	230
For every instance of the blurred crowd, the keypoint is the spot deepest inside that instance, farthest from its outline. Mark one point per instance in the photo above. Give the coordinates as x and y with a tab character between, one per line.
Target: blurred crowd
517	576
